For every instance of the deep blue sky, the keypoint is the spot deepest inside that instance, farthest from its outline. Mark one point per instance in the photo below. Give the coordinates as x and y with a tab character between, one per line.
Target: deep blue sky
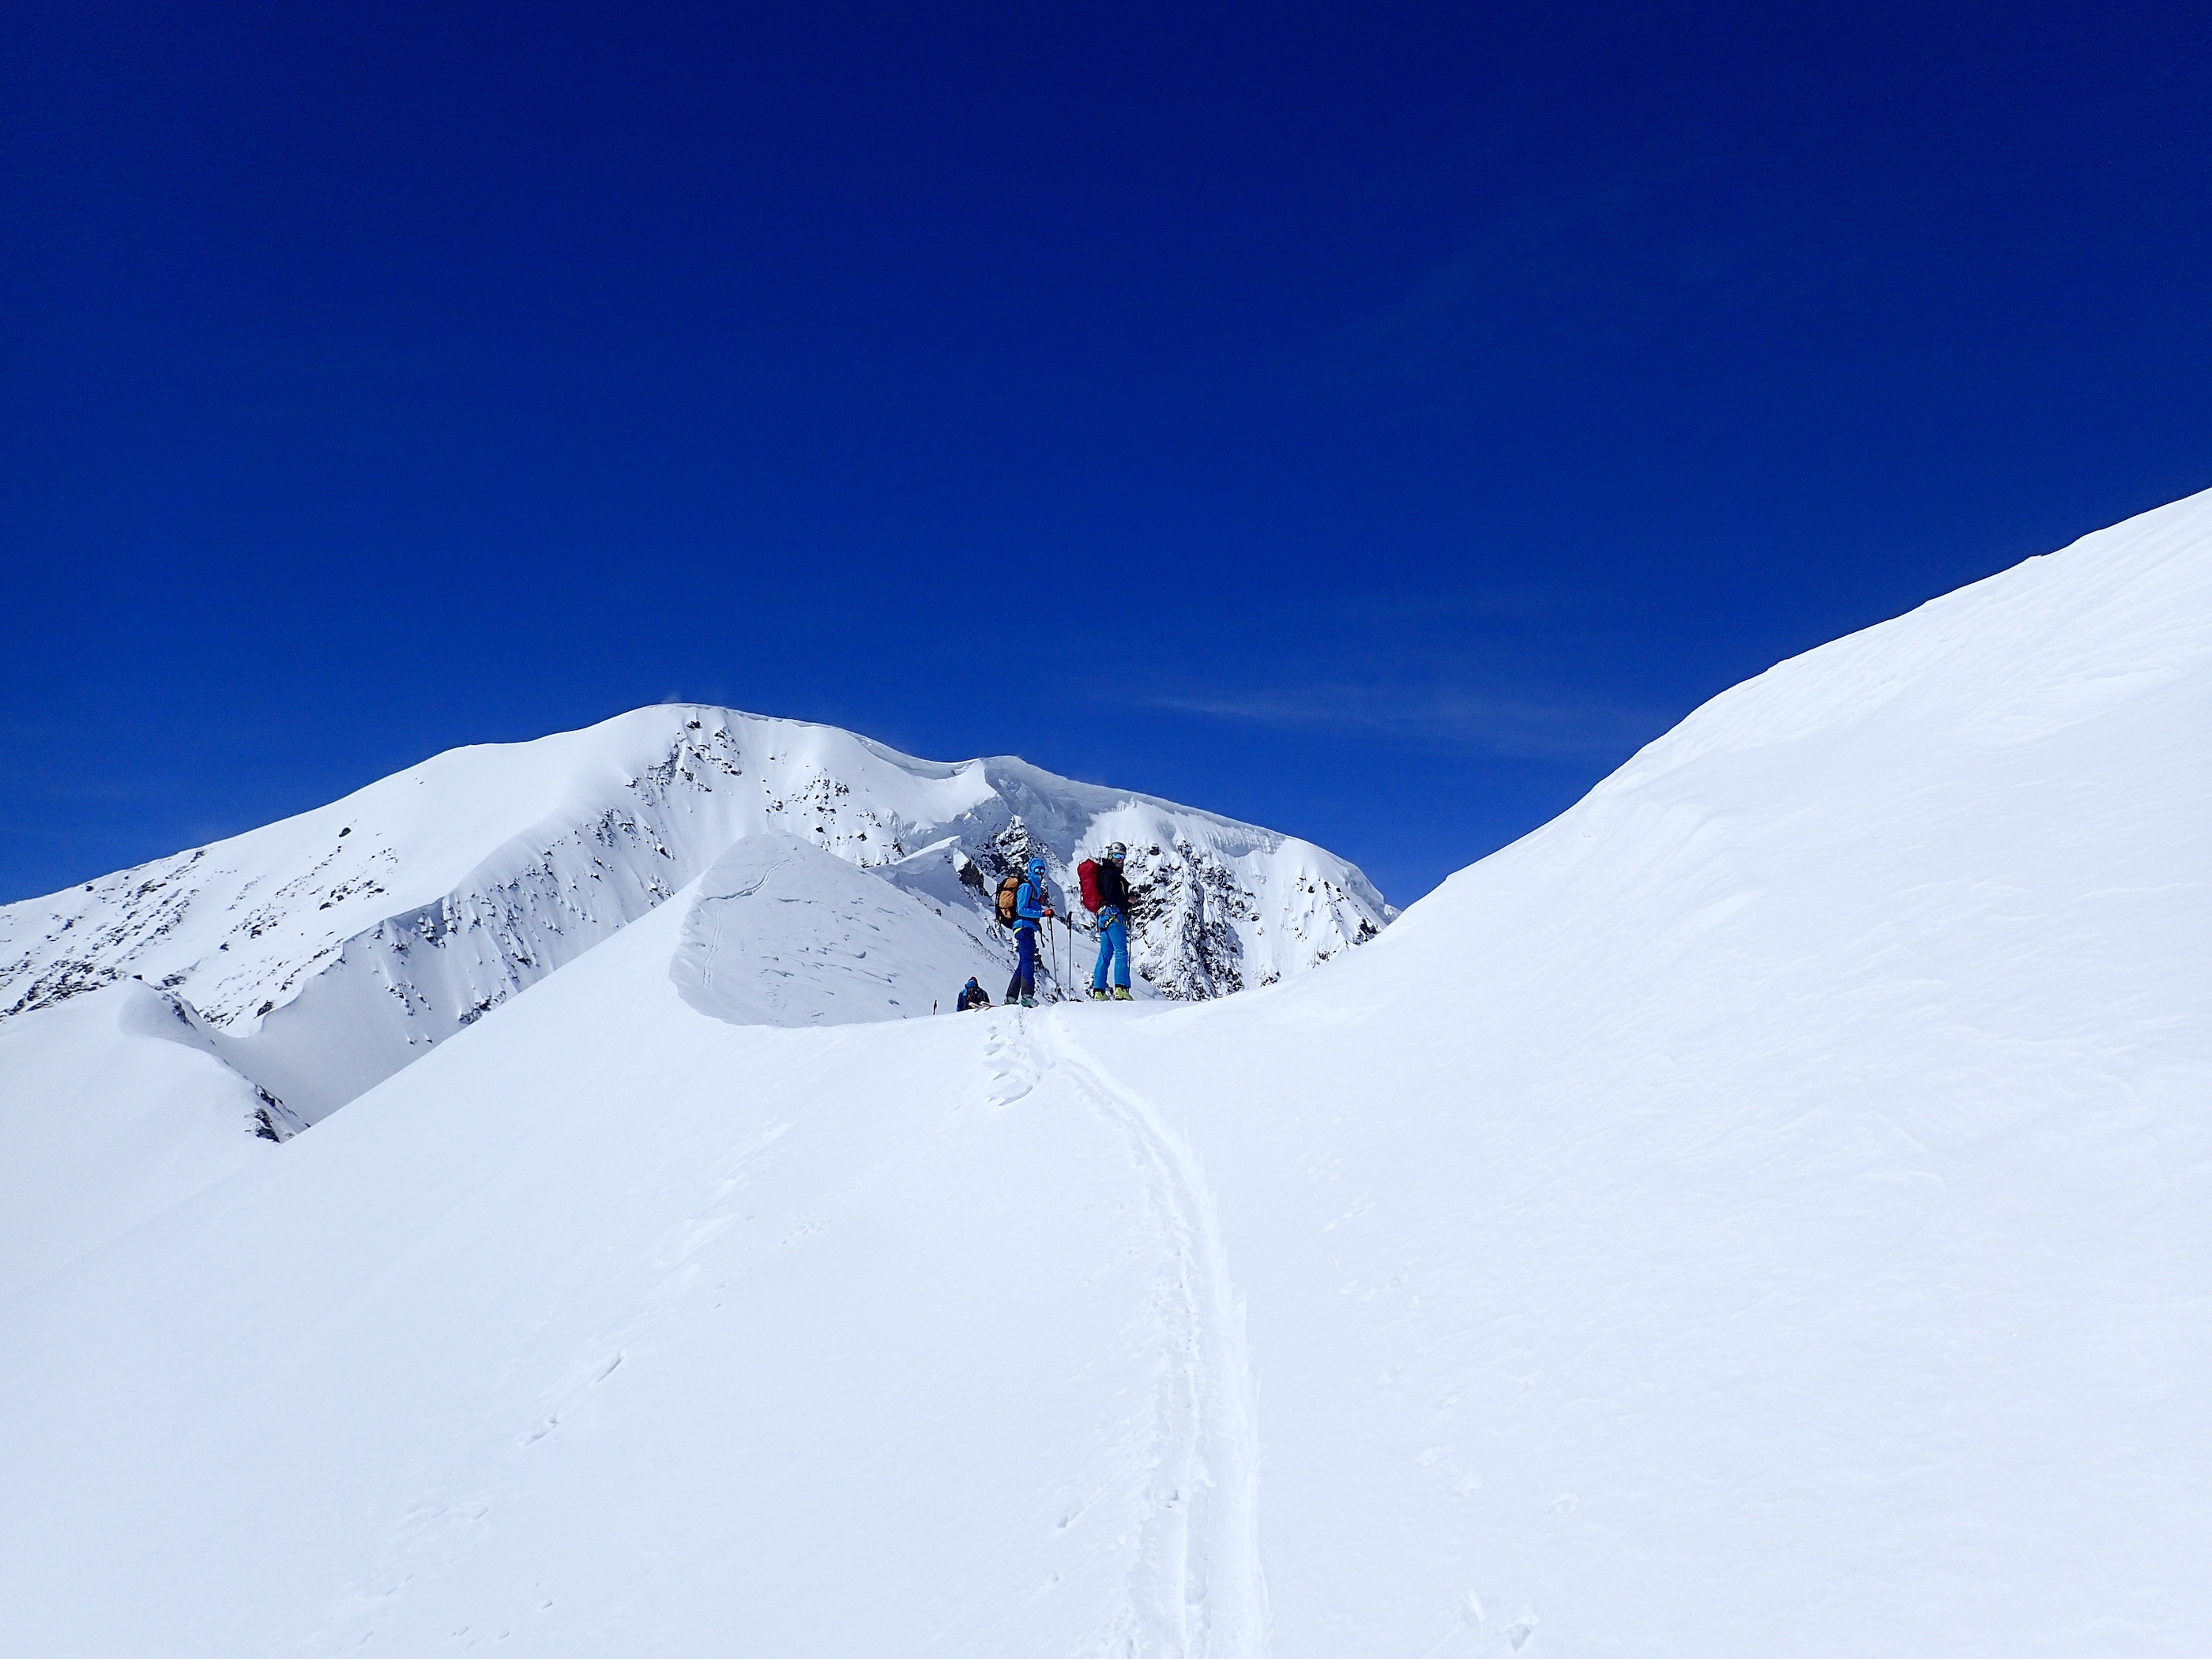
1372	421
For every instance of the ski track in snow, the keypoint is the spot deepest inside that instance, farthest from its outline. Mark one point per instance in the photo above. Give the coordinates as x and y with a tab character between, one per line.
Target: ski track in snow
1196	1591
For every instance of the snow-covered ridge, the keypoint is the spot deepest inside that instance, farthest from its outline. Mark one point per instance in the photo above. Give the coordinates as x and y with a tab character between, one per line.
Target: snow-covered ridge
2113	615
1767	1210
327	951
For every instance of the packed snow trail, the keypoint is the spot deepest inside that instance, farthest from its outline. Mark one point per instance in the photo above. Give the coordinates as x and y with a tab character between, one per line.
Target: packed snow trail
1197	1592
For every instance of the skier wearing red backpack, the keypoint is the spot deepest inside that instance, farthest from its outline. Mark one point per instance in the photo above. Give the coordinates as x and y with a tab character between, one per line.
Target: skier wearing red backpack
1106	890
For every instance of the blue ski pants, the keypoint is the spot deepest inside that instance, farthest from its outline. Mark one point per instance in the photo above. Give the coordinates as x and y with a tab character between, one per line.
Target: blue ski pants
1113	949
1023	983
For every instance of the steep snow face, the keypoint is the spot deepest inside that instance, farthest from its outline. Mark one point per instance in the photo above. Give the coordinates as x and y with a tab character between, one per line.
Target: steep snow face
333	948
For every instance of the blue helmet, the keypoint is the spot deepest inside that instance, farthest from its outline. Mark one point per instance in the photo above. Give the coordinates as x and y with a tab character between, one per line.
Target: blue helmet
1036	869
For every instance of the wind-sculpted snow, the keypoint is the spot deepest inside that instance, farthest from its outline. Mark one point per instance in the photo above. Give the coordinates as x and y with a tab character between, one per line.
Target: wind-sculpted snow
336	947
780	932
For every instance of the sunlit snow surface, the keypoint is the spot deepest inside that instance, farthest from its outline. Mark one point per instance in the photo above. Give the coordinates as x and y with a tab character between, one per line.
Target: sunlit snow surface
1767	1212
113	1110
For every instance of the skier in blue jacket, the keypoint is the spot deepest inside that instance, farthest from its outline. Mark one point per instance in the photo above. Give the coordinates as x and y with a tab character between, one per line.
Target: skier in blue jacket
1113	926
1030	909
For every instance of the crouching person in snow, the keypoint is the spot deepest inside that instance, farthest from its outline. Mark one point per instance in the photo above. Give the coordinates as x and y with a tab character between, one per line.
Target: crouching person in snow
972	995
1029	910
1113	926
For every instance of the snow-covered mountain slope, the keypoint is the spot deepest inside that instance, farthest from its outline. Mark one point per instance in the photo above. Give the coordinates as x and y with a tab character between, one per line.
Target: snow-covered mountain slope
117	1106
1787	1224
333	948
1767	1210
905	1306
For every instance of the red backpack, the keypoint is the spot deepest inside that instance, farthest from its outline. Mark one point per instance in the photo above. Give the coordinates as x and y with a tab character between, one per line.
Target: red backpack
1087	873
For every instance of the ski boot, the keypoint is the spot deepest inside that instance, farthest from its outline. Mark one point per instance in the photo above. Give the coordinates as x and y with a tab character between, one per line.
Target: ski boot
1028	1002
1121	994
1098	995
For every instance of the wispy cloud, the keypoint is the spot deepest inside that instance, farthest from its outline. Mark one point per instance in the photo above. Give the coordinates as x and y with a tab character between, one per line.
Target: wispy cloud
1509	726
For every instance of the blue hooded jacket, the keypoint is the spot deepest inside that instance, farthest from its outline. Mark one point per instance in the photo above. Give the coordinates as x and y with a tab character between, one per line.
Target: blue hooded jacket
1028	901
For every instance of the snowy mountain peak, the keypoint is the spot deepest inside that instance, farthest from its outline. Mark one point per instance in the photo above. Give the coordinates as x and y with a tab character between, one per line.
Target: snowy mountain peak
326	951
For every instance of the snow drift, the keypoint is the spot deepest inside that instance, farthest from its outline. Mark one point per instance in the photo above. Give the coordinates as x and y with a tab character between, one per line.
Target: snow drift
1768	1209
782	933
